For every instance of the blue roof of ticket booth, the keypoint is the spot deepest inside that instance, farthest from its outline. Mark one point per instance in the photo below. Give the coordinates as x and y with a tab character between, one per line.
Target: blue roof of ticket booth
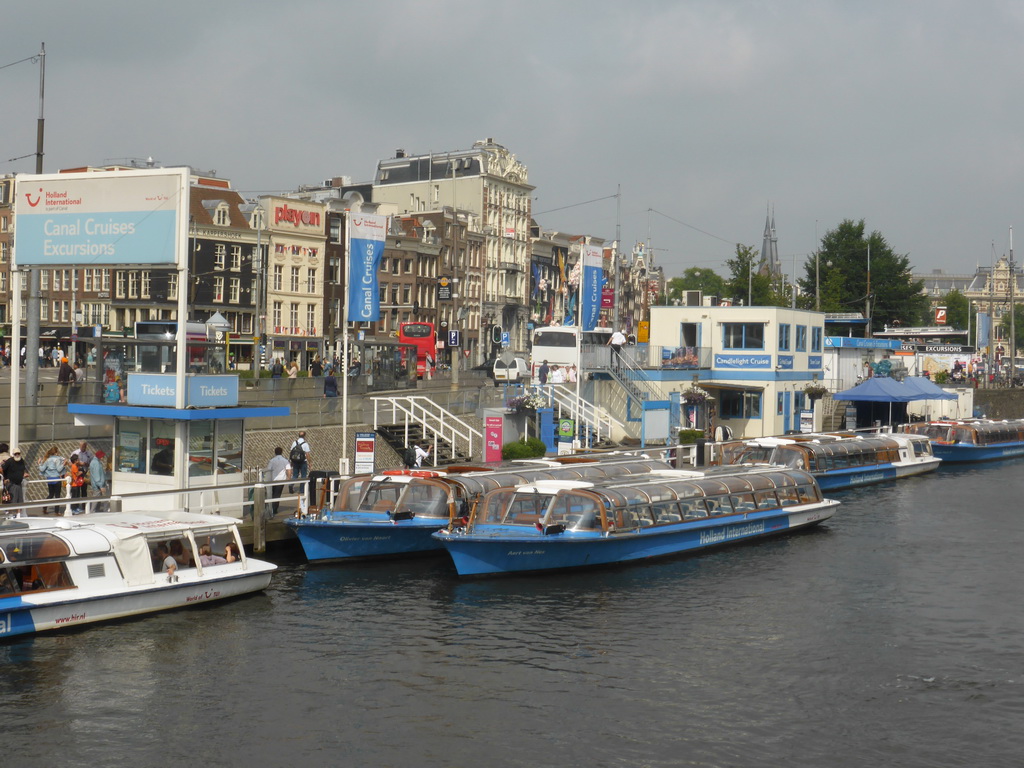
176	414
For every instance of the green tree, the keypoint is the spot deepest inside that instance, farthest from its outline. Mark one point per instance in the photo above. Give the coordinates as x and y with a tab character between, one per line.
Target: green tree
957	308
695	279
895	297
746	283
1017	330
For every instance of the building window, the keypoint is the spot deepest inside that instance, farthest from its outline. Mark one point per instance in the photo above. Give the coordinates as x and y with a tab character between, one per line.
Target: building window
236	258
293	314
408	266
816	339
106	279
3	251
801	338
743	335
65	311
235	287
277	314
278	277
145	284
218	288
220	252
44	279
396	265
311	319
295	280
784	329
44	311
172	286
88	281
221	216
74	279
406	294
133	285
741	405
311	281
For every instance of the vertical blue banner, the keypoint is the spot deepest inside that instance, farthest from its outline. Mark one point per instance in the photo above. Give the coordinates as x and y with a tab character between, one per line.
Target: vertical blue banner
984	332
366	234
590	287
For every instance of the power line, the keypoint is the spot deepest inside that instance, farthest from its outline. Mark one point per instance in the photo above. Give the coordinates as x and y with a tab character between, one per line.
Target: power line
695	229
576	205
20	61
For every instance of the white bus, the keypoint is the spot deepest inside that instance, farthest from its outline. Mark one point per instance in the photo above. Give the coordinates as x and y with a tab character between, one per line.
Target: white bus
562	345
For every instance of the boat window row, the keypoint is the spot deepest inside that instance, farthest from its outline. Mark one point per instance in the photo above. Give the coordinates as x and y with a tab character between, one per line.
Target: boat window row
817	457
972	432
661	503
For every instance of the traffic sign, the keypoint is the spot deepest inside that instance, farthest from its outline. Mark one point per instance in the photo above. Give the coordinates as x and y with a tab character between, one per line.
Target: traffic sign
506	339
453	339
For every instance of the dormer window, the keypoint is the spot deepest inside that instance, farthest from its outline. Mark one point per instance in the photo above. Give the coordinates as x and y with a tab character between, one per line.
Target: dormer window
222	215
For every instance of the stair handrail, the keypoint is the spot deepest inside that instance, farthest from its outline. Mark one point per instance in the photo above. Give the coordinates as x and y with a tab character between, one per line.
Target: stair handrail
442	423
581	410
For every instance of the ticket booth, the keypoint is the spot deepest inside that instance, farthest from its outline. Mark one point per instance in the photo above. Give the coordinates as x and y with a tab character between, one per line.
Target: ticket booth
158	447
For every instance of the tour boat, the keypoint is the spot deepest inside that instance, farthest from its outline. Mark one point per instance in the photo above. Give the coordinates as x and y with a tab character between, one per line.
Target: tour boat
552	525
838	460
68	571
972	439
395	513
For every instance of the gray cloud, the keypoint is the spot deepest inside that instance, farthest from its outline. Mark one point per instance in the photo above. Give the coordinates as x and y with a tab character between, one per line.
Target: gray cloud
905	114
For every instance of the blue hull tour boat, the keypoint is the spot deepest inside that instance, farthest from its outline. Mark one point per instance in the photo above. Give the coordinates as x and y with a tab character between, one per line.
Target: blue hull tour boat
396	513
838	460
972	439
63	573
555	525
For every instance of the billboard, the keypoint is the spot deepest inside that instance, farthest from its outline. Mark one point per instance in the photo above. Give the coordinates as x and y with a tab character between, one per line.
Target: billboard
591	281
101	218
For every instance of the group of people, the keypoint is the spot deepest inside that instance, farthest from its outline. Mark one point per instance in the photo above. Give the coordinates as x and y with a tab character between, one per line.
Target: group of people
557	374
81	471
281	468
170	556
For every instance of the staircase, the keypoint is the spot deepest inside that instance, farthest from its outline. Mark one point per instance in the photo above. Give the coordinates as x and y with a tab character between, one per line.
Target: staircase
403	420
633	381
594	425
833	414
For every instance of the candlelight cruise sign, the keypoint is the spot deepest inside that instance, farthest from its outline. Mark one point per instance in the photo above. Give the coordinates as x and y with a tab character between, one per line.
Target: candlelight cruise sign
108	217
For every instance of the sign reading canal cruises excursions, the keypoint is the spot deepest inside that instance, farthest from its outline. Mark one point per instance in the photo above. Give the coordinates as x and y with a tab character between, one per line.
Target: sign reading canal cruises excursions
105	217
590	287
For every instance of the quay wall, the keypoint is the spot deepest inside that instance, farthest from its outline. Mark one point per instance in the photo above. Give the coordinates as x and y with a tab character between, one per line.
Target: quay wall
1000	403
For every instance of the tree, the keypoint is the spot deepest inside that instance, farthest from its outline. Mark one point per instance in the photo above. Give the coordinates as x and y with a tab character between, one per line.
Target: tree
957	310
895	297
747	283
1018	328
695	279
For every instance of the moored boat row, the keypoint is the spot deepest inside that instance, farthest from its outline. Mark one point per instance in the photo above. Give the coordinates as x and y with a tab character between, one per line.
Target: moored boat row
972	439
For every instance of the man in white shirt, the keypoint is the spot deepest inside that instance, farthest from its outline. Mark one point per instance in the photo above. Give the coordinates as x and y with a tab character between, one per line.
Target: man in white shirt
278	469
618	338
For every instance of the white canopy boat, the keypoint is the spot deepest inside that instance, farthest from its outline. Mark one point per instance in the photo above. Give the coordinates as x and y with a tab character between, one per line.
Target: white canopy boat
68	571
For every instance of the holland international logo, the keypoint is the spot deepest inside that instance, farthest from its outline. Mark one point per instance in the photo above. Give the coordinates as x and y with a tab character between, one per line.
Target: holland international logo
37	201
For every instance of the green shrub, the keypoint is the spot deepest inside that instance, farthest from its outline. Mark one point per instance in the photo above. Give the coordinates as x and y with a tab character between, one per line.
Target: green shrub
690	436
524	449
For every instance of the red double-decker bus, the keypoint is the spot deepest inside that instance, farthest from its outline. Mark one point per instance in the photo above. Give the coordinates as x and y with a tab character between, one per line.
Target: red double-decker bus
423	337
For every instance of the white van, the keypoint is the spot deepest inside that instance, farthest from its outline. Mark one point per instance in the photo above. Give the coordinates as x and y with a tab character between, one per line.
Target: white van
516	370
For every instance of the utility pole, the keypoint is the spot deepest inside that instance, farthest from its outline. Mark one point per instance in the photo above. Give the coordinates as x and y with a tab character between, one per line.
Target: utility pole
1013	316
867	299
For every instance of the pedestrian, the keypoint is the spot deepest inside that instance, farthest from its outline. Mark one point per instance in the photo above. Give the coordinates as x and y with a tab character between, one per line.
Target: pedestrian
53	467
557	375
616	342
542	373
573	376
422	454
298	455
14	475
64	378
276	369
278	470
293	370
79	484
409	456
98	480
76	383
317	368
330	384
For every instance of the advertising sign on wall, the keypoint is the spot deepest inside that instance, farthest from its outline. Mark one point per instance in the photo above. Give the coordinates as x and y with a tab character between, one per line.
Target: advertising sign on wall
123	217
365	451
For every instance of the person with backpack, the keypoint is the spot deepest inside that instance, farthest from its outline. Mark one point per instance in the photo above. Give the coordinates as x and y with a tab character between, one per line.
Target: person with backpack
298	455
276	370
409	457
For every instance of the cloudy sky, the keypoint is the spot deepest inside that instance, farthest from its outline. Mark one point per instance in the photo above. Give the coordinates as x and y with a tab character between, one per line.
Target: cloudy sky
906	114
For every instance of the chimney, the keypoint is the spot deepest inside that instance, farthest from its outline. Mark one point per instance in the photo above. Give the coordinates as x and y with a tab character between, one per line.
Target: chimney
399	152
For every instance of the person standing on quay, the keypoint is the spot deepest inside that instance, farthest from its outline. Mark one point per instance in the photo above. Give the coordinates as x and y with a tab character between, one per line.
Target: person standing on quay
14	476
298	455
542	373
53	467
278	469
98	479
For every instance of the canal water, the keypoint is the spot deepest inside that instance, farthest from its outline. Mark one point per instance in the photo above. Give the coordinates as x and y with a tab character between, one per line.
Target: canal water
892	635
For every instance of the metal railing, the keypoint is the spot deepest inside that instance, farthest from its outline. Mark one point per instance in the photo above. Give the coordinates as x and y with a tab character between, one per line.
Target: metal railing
589	417
436	423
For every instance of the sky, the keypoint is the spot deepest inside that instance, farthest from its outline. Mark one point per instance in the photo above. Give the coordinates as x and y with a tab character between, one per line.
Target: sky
681	124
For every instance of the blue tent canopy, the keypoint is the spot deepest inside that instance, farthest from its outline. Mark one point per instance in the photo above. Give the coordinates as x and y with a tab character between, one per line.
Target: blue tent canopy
884	390
929	388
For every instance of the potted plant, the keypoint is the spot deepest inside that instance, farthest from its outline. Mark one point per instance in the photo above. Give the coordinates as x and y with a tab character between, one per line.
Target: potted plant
815	391
694	395
525	404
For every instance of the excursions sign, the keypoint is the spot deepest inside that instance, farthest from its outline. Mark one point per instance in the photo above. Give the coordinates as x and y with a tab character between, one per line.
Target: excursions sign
109	217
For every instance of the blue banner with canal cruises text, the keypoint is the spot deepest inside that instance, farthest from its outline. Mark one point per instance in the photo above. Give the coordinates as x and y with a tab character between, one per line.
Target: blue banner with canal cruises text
365	248
590	287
